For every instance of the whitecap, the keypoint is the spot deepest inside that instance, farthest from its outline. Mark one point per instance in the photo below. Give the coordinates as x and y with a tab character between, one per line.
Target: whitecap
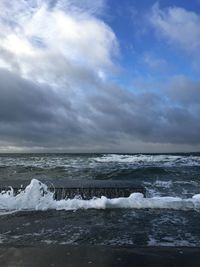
37	197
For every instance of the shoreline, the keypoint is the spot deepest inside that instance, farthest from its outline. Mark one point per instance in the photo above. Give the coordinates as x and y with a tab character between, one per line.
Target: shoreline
97	256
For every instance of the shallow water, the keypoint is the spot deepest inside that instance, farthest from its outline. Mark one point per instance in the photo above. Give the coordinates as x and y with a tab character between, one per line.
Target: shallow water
176	176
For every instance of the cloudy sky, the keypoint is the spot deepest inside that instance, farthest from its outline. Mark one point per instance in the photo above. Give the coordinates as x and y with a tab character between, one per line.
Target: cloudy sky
99	76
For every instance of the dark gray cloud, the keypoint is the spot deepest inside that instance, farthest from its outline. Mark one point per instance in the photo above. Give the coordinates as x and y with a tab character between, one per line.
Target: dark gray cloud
31	113
185	92
105	119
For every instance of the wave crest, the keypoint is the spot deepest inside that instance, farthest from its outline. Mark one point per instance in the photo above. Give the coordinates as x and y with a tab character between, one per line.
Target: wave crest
36	196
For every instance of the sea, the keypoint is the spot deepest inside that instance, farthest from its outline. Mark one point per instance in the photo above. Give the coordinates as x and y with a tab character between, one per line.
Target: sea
168	215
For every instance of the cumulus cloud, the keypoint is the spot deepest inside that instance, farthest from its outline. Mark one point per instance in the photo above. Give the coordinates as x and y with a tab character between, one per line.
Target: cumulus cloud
47	42
179	26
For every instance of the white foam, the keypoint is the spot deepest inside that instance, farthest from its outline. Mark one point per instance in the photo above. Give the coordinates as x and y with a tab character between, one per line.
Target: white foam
171	242
151	160
37	197
163	184
44	162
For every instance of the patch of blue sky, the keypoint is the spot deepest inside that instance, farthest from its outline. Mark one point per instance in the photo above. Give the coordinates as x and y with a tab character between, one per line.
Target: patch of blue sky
145	54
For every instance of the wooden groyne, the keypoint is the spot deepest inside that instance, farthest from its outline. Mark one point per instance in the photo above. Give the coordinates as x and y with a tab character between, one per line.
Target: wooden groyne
85	189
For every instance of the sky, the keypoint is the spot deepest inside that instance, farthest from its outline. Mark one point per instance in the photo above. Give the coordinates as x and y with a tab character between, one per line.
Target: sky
99	76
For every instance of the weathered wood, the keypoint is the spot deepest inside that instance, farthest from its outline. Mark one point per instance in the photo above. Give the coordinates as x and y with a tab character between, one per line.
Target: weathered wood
85	189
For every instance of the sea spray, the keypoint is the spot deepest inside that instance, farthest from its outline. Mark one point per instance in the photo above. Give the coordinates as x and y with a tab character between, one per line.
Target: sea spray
36	196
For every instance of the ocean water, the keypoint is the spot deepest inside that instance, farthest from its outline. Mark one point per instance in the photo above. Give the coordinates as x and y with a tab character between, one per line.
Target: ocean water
168	216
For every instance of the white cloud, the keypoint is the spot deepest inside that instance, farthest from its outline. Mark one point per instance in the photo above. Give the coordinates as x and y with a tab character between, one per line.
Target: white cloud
49	42
179	26
154	62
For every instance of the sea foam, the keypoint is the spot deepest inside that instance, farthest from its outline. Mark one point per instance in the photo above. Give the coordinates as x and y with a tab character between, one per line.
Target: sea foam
36	196
150	160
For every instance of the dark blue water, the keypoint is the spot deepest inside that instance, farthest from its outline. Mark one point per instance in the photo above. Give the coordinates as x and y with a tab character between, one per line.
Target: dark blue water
175	175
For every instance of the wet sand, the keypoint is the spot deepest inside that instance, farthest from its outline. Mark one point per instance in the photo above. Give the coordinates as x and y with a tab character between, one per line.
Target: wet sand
98	256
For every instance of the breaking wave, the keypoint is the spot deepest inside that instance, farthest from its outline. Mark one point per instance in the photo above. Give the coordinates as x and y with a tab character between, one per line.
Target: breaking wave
152	160
36	196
